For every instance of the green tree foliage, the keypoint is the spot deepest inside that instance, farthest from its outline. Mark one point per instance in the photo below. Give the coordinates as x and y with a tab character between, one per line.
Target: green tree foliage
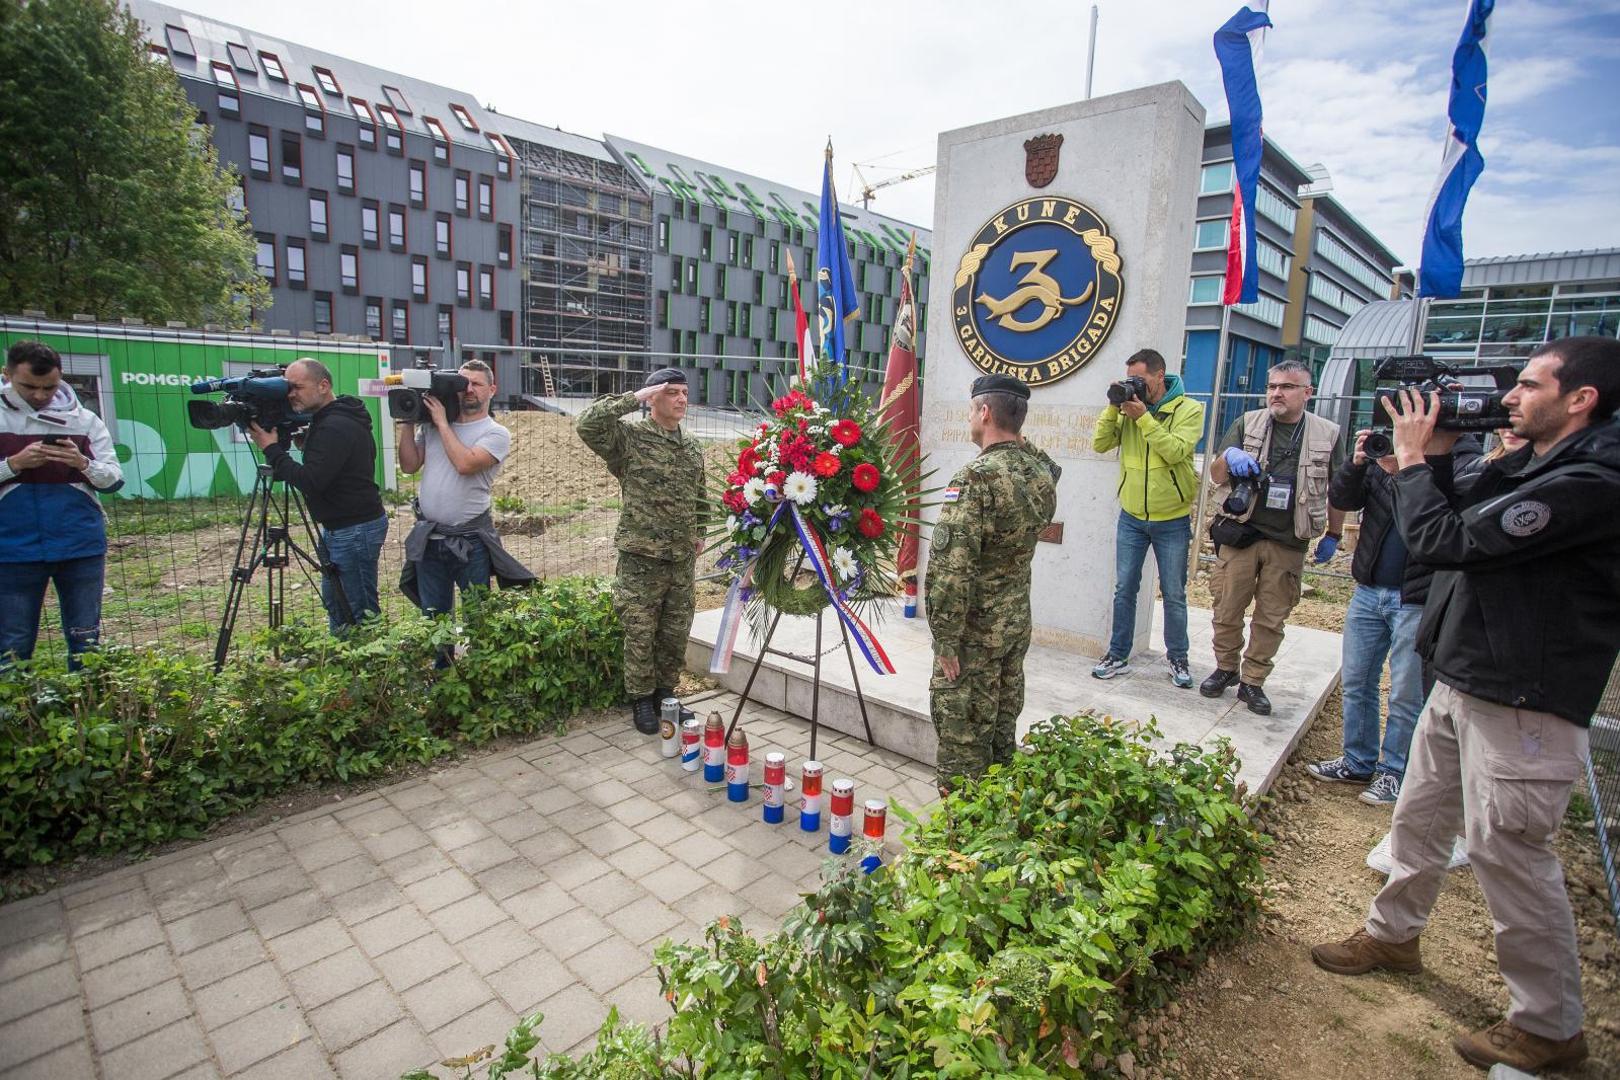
112	200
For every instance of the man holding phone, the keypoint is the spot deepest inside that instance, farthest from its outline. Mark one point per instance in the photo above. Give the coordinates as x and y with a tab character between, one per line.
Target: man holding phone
56	456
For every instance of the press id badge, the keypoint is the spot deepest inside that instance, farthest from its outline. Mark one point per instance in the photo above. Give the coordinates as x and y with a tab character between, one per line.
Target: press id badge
1279	493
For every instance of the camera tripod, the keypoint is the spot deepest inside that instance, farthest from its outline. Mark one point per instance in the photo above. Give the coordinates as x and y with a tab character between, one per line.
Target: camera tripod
269	521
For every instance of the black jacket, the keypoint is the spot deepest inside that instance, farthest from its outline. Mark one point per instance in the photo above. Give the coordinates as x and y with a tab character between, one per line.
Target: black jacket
1525	605
1371	490
338	473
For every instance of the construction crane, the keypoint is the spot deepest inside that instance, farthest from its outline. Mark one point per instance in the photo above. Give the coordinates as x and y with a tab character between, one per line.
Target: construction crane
868	190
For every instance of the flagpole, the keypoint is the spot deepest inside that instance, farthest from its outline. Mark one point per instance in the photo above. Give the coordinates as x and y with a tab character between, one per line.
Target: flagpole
1091	51
1212	434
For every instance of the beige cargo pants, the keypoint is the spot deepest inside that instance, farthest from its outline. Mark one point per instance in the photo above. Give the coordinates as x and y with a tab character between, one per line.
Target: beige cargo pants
1268	574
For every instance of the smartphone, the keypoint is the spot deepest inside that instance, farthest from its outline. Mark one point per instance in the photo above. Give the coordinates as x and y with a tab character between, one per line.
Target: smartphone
56	440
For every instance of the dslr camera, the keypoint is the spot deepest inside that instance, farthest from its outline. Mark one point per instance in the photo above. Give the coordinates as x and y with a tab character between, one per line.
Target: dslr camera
413	386
1131	386
259	397
1462	407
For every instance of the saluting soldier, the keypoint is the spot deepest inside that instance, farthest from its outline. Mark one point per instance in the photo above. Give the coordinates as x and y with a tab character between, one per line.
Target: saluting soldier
977	586
660	472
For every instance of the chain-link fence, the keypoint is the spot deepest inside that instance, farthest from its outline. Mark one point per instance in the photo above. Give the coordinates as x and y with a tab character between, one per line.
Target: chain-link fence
1603	787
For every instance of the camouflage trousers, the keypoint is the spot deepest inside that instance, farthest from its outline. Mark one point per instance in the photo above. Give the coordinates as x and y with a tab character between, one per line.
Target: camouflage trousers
655	603
976	717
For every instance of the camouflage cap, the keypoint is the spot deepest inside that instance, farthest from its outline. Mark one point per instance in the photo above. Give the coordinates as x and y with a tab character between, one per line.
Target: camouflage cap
999	384
666	375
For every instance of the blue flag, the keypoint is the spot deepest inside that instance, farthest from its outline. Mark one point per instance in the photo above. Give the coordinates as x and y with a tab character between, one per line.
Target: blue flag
1440	269
1236	43
837	300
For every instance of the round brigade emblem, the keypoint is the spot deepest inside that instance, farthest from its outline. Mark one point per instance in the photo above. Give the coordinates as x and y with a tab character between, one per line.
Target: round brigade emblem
1038	290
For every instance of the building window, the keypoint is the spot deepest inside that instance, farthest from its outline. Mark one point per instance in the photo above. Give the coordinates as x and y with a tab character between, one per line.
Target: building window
486	197
464	284
1216	179
259	151
158	55
1271	258
663	232
486	286
272	66
1267	309
503	245
368	222
463	117
401	323
441	235
241	56
397	99
441	140
503	155
295	263
463	183
396	227
419	277
418	183
708	242
179	41
373	318
446	322
1269	204
1206	290
345	170
265	258
1320	330
323	313
328	81
505	324
292	157
1212	235
349	268
317	215
230	95
1329	247
368	123
731	248
393	133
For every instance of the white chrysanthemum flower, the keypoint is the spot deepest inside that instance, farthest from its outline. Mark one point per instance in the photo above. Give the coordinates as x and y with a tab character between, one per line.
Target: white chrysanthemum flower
731	523
754	490
844	563
800	487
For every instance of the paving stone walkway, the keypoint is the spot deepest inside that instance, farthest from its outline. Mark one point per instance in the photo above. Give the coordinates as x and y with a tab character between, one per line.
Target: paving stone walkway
416	922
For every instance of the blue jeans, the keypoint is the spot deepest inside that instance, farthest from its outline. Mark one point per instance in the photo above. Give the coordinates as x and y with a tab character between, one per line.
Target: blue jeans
1169	540
1375	625
440	573
78	596
354	550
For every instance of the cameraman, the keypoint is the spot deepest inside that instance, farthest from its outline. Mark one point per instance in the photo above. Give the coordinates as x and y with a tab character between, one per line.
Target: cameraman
1157	483
1522	627
55	458
1260	550
338	480
453	544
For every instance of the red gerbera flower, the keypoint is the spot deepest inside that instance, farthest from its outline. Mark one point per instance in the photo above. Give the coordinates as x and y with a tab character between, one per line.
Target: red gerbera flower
846	433
735	501
748	461
870	524
825	465
865	477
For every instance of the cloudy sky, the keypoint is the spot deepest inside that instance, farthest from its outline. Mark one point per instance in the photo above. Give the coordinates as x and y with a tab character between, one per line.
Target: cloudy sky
1358	85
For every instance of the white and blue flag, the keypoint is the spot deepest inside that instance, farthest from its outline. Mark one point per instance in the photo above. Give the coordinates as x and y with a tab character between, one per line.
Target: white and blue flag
1440	269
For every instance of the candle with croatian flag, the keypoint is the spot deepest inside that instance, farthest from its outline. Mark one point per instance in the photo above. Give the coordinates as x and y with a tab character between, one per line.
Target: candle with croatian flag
737	767
810	788
843	811
877	813
775	781
714	749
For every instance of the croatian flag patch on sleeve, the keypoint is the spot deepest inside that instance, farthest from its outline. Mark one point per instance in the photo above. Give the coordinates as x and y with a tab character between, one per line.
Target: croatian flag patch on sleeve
952	494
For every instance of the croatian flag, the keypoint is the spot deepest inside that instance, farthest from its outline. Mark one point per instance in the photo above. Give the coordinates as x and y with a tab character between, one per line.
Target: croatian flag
1237	48
1440	269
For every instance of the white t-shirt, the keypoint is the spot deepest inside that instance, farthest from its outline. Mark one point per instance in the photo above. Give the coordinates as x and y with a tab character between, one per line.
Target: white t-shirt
446	496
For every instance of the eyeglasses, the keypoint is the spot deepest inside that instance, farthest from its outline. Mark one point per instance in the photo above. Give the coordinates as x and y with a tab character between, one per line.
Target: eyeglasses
1288	386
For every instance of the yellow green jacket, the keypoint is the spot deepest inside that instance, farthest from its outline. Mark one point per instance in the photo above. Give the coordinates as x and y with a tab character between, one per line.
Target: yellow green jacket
1157	480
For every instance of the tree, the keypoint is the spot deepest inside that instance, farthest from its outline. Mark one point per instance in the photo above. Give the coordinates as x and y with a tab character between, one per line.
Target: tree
112	199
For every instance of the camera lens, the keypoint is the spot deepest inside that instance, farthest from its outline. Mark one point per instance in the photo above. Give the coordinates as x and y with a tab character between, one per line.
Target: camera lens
1377	444
1237	503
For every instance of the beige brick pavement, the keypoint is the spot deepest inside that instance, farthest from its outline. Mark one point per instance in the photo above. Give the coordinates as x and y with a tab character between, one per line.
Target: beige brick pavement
416	922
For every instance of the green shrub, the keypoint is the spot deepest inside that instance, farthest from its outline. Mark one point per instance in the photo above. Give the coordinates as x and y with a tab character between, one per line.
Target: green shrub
143	747
1031	914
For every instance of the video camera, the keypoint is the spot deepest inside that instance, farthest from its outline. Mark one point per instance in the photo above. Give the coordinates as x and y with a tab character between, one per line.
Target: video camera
1462	407
413	385
1131	386
259	397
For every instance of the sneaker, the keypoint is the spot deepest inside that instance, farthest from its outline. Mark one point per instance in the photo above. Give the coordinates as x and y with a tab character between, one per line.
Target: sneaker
1109	667
1383	791
1255	698
1380	860
1217	682
1179	674
1361	952
1504	1044
1337	771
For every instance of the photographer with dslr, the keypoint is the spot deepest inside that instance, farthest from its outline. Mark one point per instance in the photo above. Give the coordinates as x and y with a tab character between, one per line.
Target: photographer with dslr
55	458
1269	515
1156	427
454	545
338	479
1522	626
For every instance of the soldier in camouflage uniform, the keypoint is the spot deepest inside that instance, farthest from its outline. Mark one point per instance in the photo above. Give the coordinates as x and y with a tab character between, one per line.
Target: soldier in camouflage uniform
660	471
977	587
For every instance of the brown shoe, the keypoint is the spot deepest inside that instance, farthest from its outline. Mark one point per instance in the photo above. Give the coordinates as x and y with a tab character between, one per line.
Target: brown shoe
1361	952
1504	1044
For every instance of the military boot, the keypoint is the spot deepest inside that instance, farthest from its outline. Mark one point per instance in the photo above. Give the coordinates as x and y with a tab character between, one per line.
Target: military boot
644	714
1504	1044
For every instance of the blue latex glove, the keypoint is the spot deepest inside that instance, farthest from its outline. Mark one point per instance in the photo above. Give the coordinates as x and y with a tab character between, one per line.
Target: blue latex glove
1325	549
1239	462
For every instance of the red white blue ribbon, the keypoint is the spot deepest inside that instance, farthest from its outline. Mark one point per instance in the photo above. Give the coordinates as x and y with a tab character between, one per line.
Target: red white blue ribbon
817	554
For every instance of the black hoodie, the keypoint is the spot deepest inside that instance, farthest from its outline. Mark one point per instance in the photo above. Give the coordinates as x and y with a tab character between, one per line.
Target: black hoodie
337	476
1524	609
